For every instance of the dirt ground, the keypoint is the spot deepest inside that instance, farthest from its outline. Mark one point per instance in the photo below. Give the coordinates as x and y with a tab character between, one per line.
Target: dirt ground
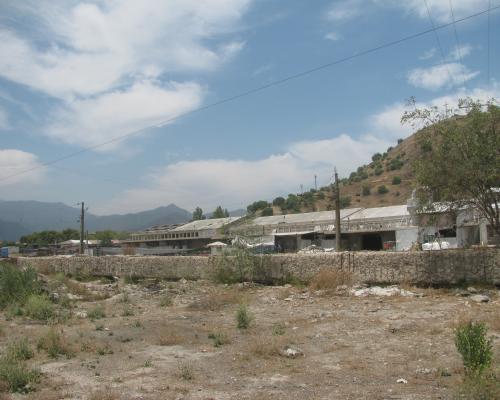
353	347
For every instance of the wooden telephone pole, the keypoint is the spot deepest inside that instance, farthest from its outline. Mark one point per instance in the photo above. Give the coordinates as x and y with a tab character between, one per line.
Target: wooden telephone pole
82	227
337	213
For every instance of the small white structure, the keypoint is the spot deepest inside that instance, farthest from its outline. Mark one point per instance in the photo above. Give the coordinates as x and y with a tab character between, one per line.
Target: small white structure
216	248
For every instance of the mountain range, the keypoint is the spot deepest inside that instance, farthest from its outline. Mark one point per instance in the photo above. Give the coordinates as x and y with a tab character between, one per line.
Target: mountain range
19	218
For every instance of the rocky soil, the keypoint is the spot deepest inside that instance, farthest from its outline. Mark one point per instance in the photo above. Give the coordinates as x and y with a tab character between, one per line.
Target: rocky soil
178	340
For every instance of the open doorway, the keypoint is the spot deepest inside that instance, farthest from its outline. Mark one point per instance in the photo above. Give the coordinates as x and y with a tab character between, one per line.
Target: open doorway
372	241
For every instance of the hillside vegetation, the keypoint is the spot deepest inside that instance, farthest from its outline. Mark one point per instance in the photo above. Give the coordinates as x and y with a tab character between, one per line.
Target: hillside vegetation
387	180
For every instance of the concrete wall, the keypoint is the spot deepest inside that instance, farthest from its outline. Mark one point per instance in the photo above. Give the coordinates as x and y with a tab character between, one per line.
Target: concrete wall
430	267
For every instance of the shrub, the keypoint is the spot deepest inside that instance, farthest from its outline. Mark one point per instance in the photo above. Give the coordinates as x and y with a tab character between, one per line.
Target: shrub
321	195
396	180
279	202
400	141
243	317
16	375
278	329
330	279
54	343
379	170
376	157
16	285
382	189
96	312
366	190
475	348
481	387
166	300
186	372
268	211
219	339
19	350
395	164
345	201
39	307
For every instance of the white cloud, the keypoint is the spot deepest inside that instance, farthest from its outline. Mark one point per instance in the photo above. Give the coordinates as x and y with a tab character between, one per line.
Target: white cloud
235	183
13	162
4	121
334	36
439	76
428	54
387	122
108	61
440	9
93	47
344	10
460	52
94	120
262	69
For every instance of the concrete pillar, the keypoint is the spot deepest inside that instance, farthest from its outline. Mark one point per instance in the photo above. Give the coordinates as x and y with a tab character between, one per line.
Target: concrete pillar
483	232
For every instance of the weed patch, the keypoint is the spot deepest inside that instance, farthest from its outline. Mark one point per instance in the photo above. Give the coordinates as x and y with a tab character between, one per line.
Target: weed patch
55	344
96	312
474	347
39	307
19	350
243	317
330	279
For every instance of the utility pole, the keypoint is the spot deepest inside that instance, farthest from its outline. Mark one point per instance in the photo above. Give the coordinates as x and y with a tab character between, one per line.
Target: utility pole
315	182
337	213
82	227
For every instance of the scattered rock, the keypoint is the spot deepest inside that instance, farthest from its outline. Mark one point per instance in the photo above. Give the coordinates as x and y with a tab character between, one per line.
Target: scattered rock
402	380
81	314
382	291
425	371
292	352
54	297
480	298
472	289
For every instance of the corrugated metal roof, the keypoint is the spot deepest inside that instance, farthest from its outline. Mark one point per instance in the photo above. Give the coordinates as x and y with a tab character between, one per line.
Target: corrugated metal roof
381	212
311	217
351	214
205	224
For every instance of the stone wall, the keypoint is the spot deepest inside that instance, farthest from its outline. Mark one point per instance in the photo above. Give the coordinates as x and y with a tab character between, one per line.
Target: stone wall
430	267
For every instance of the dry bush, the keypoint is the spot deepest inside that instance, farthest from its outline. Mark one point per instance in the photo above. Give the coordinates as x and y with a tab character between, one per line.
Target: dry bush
330	279
104	394
265	346
215	301
170	336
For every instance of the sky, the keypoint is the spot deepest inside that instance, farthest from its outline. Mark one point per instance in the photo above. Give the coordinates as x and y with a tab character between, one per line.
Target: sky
130	96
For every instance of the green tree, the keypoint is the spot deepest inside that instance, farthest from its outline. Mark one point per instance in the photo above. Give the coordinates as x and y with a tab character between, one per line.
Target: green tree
366	190
257	205
292	203
345	201
462	167
268	211
279	202
219	213
382	189
396	180
198	214
105	237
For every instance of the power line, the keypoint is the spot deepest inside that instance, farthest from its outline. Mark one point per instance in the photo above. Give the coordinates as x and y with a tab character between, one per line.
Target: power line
256	90
459	51
443	57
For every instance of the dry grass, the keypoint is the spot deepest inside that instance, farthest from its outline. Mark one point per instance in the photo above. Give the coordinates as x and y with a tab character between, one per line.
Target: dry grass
104	394
265	346
170	336
215	301
330	279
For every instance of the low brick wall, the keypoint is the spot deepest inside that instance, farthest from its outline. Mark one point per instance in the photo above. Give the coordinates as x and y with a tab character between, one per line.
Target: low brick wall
431	267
